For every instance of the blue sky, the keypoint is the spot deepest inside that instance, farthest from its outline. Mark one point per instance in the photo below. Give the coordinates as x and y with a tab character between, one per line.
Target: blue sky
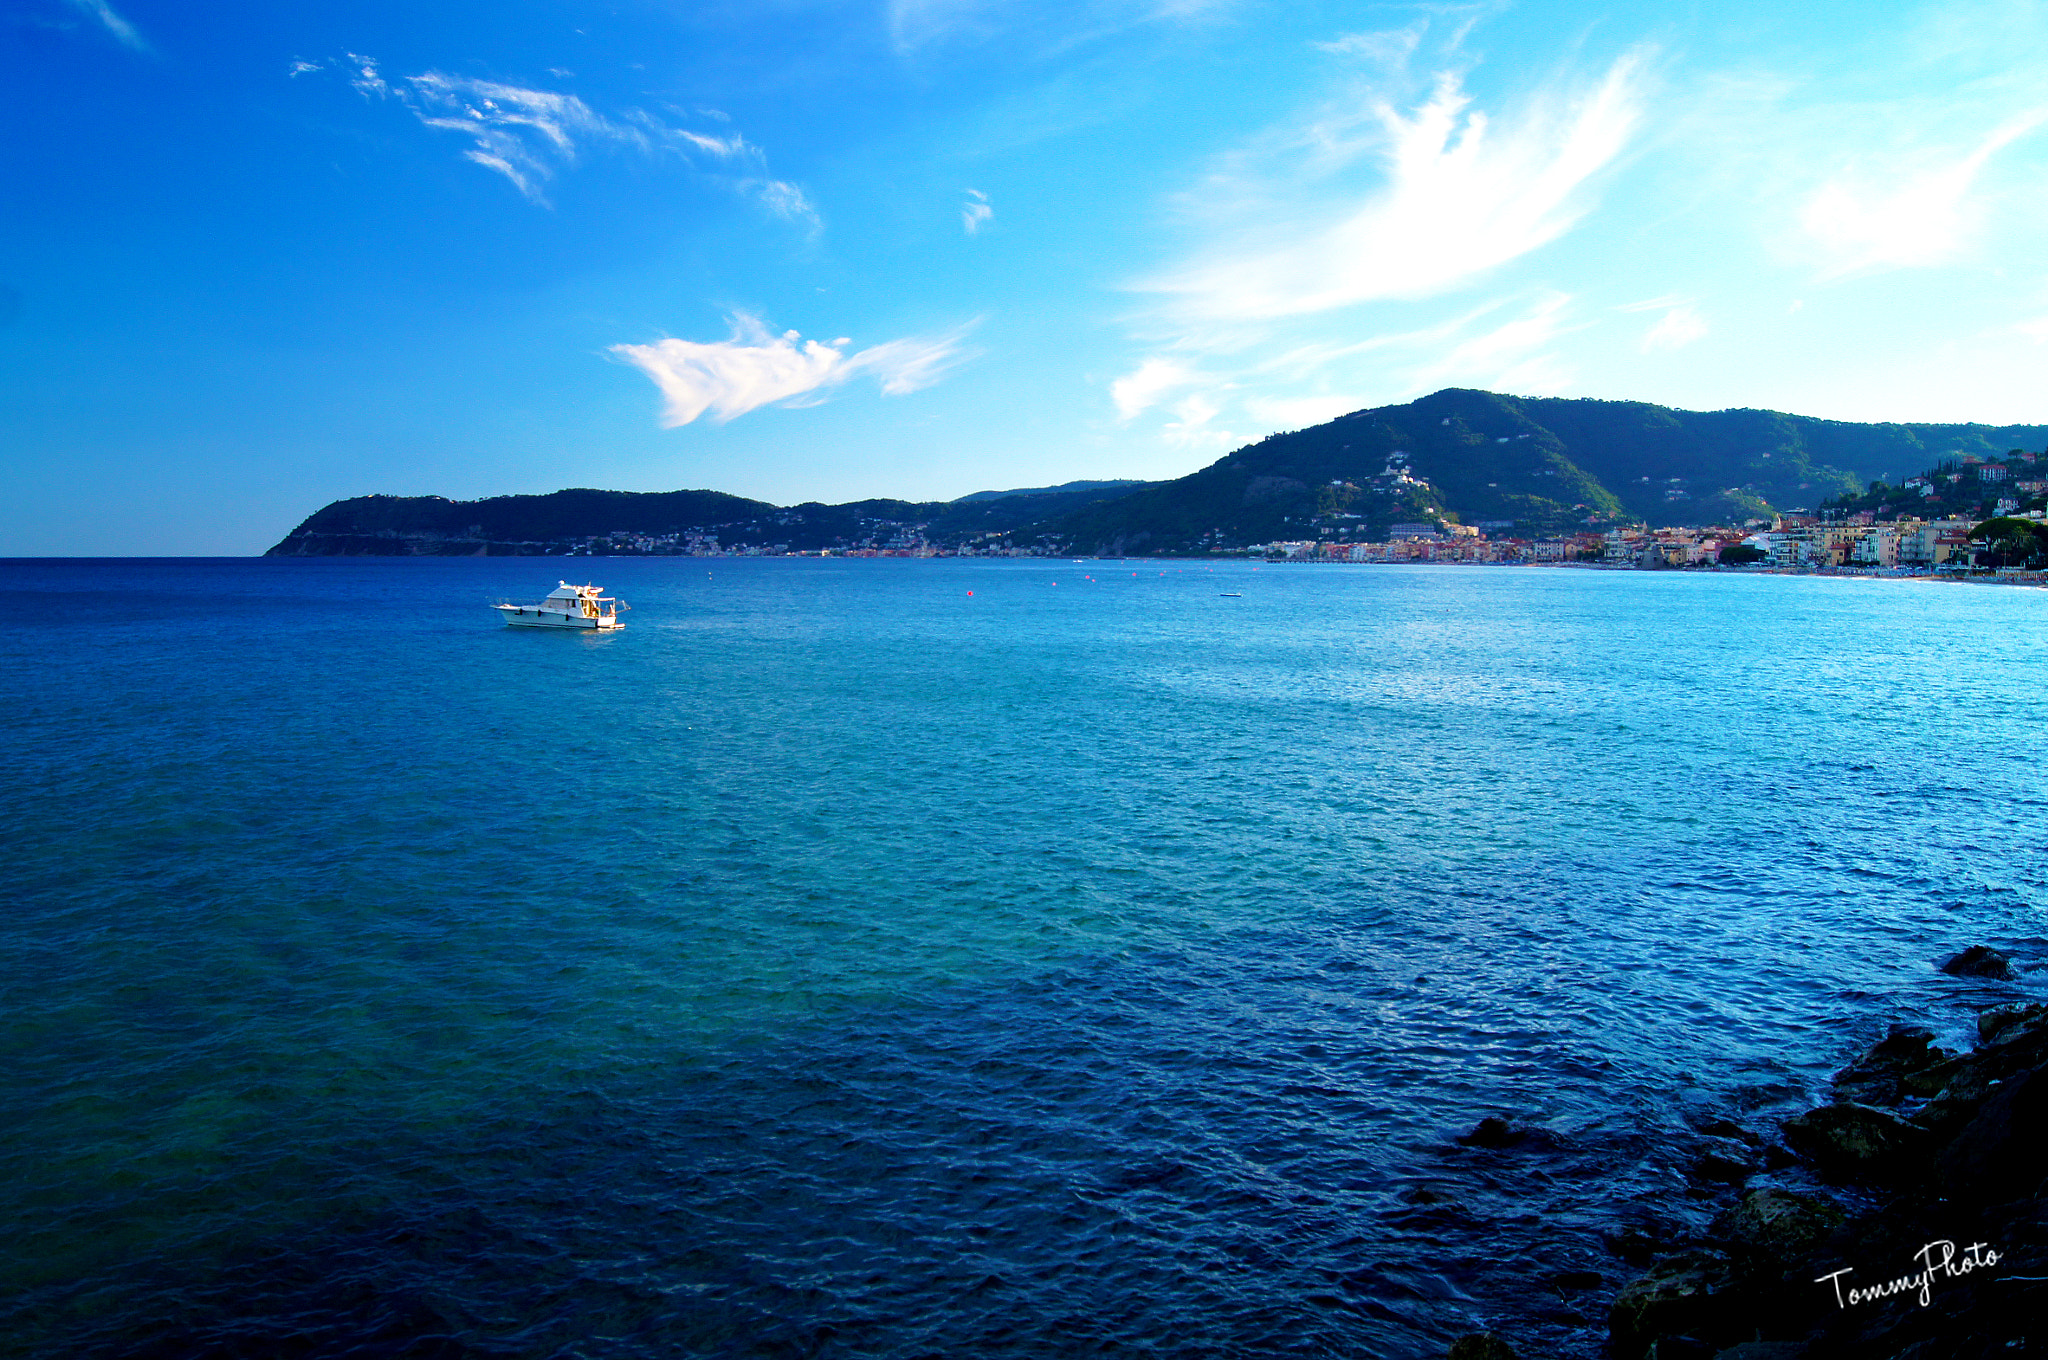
255	258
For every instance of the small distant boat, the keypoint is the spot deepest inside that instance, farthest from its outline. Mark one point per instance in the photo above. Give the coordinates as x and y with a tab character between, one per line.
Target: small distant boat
567	607
1233	594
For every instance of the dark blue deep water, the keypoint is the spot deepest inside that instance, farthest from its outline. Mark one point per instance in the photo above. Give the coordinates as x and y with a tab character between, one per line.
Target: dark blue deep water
908	959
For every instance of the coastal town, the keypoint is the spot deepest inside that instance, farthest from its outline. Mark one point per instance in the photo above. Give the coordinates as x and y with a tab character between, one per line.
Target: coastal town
1970	515
1858	544
1786	542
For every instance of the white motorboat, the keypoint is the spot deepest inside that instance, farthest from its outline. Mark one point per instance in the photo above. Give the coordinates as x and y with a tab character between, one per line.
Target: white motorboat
568	607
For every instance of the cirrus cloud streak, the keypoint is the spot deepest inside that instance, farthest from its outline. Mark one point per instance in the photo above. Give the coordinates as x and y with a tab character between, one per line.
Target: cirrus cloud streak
531	135
1461	195
122	31
1507	344
1901	217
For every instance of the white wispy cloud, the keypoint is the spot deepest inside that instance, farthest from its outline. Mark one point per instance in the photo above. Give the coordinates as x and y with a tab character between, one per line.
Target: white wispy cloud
1144	386
733	145
1322	232
123	32
1908	148
975	211
1506	344
1680	325
1191	428
525	135
753	368
1391	47
918	24
531	135
1512	356
363	75
783	199
915	23
1461	194
1298	413
1916	210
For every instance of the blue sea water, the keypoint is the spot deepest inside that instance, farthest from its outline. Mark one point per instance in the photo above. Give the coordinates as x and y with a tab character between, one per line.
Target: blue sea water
949	958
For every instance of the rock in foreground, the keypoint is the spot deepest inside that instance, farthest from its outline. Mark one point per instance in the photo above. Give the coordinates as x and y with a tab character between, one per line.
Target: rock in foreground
1956	1148
1981	961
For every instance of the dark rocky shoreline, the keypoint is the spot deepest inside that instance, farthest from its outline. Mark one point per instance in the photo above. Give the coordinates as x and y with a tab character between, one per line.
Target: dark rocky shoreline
1902	1220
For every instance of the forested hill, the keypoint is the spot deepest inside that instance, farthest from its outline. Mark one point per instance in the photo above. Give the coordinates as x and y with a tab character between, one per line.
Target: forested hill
1541	465
562	520
1521	465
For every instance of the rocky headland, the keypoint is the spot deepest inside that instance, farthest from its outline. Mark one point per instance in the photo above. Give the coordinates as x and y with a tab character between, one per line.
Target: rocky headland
1903	1219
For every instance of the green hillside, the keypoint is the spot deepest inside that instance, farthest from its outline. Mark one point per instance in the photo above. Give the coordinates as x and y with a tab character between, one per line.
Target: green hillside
1545	464
1524	465
562	520
435	525
1953	489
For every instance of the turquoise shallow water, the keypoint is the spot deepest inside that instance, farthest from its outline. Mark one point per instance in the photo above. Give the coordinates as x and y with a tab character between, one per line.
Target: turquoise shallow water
836	962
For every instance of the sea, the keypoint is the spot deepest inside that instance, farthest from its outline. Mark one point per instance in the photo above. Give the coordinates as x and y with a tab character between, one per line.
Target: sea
921	958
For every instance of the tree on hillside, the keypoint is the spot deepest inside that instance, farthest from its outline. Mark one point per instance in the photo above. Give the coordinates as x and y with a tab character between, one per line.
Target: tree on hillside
2010	542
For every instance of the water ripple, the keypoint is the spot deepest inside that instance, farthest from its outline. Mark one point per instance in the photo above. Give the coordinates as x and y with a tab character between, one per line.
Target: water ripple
828	966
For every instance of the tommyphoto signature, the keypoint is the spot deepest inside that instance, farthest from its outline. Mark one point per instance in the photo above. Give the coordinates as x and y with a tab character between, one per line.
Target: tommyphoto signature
1939	1260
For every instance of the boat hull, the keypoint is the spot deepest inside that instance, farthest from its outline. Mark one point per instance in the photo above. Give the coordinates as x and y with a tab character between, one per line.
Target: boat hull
548	618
